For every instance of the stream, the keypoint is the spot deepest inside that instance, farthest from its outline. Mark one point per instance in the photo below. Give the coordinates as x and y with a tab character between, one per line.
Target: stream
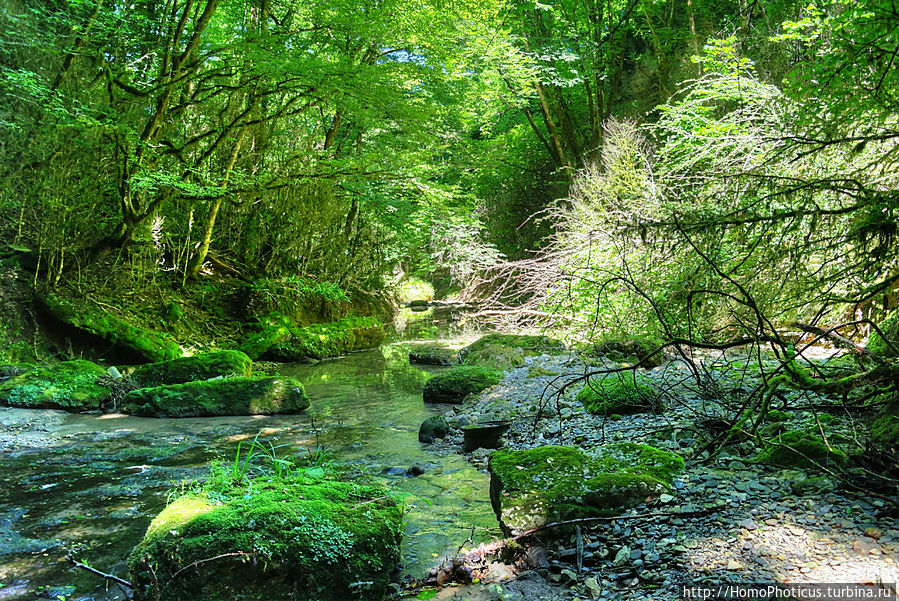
88	485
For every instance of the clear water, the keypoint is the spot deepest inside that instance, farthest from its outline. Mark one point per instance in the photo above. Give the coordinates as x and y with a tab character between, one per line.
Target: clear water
92	488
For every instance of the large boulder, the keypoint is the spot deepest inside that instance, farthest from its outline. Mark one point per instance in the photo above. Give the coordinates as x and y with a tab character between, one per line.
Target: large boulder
635	350
226	396
433	355
622	393
217	364
800	448
453	385
271	538
526	343
280	340
534	487
433	428
94	320
68	385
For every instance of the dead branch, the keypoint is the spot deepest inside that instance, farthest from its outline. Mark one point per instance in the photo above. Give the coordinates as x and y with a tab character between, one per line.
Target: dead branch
97	572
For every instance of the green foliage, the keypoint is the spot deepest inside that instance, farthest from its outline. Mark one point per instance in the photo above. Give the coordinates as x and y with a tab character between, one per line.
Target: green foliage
291	295
412	289
68	385
226	396
878	344
885	433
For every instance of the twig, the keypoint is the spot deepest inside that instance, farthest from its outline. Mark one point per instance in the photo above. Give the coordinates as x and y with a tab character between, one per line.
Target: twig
199	561
97	572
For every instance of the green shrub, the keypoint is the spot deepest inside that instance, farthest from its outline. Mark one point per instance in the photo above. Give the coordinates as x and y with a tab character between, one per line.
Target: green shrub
414	289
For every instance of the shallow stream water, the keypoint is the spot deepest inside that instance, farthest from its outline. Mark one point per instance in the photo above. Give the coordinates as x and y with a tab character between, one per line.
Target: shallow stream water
88	485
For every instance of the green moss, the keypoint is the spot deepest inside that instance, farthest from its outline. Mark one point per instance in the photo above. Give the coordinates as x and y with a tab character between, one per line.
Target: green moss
93	320
276	538
69	385
524	342
539	372
496	356
453	385
799	448
432	355
631	351
229	396
621	393
778	416
279	340
552	483
885	433
414	289
890	327
217	364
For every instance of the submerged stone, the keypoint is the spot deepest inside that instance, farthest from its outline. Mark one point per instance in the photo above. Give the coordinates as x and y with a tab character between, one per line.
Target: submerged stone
620	393
534	487
68	385
217	364
227	396
292	538
453	385
151	346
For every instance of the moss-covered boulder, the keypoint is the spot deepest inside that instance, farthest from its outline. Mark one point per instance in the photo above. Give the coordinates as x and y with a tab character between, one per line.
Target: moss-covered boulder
634	350
276	538
534	487
89	318
889	346
279	340
217	364
885	433
433	428
226	396
433	355
620	393
528	345
453	385
495	356
800	448
69	385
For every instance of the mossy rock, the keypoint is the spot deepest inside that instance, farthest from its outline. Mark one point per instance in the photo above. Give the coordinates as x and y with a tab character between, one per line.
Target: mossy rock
634	350
496	356
287	343
800	448
453	385
93	320
433	428
775	416
69	385
217	364
885	433
528	344
292	538
541	372
433	355
623	393
534	487
226	396
890	328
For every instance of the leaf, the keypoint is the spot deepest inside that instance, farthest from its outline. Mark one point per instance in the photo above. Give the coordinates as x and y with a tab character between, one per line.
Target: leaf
315	473
430	594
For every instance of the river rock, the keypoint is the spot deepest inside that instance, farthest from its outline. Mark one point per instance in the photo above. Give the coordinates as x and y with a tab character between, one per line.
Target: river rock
68	385
432	355
217	364
533	487
432	428
453	385
302	540
620	393
226	396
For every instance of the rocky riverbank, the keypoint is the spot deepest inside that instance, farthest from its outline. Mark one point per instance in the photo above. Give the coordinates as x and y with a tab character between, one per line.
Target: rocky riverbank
729	519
